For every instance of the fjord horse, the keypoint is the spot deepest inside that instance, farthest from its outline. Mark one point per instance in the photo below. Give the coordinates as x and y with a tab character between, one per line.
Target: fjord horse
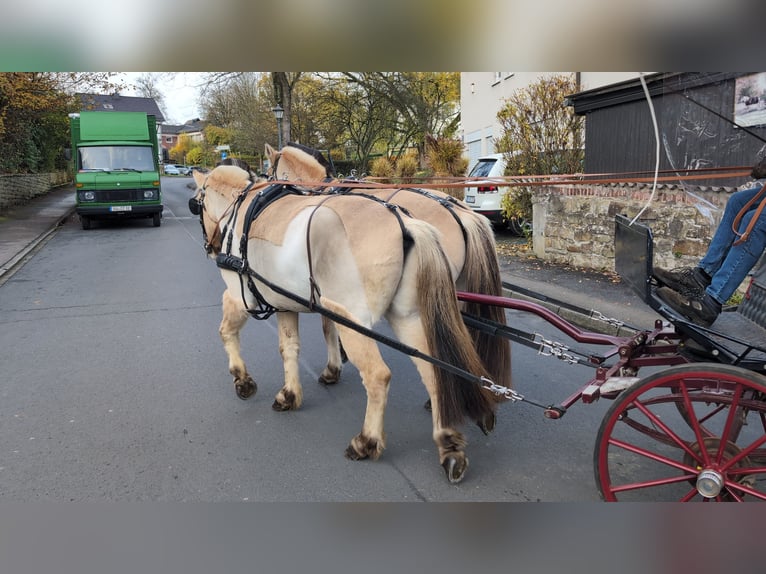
361	260
467	238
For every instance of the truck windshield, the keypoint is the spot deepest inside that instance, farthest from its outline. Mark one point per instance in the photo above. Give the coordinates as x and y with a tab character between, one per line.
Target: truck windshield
115	158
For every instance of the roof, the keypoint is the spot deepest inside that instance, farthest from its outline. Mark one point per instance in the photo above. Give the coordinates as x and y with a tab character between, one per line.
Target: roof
118	103
658	84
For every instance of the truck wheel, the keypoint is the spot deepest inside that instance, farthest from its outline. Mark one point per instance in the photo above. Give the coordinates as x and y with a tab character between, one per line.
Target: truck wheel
85	222
156	220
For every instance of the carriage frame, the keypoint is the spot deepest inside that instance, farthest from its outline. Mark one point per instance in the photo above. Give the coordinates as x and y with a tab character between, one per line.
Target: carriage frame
694	429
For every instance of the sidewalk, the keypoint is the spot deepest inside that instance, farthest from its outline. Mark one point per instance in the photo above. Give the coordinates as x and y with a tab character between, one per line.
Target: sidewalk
24	227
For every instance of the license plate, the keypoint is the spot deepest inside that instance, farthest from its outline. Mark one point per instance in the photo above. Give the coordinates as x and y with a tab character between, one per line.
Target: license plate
470	199
121	208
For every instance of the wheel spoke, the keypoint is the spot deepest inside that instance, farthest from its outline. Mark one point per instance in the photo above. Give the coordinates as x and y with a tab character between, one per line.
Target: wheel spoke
690	432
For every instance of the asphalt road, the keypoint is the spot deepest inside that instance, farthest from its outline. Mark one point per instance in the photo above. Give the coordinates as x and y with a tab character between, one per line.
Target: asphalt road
115	387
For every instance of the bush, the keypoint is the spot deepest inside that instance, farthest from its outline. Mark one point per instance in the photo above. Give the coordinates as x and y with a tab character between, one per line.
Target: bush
382	168
406	168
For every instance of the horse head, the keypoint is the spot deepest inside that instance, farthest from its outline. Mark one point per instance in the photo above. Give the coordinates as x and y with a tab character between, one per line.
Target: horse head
217	192
296	162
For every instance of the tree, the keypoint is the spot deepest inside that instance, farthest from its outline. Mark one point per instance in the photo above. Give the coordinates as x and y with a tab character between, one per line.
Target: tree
180	151
425	103
358	118
34	128
284	83
146	87
541	135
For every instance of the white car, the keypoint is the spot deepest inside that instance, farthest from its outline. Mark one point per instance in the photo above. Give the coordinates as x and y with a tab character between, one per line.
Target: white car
171	169
486	196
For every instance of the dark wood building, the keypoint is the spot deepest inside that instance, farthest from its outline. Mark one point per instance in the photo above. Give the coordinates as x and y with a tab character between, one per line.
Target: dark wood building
705	119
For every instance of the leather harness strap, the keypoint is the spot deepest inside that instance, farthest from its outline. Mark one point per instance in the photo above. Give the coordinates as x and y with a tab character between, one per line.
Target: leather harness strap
742	237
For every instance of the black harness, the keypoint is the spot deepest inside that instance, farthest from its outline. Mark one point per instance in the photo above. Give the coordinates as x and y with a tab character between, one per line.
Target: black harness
225	259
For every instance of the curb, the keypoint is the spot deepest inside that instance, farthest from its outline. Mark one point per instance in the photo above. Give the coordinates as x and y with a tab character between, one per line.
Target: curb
17	261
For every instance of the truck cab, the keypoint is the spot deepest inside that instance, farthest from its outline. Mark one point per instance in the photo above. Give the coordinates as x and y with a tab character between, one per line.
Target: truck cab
116	166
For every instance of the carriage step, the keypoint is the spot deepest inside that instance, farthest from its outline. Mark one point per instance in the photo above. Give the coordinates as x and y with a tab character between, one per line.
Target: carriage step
613	385
618	384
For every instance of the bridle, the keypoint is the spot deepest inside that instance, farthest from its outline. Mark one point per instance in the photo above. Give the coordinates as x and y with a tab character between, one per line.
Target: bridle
214	244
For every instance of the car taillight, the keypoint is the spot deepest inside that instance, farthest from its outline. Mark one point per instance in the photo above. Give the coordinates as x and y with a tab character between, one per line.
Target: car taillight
487	189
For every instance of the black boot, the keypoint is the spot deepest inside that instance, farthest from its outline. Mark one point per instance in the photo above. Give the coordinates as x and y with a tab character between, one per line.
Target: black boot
689	281
702	310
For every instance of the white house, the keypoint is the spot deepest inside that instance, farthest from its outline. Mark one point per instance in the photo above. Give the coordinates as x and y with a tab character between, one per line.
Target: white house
482	95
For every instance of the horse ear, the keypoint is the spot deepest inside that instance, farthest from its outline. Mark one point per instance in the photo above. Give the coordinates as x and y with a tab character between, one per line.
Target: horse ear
270	152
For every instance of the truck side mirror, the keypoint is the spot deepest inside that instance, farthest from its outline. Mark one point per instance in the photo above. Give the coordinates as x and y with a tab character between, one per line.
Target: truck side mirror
67	154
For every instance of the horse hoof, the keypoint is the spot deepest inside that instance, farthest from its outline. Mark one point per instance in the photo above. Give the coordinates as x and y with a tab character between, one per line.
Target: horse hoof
455	468
285	401
362	447
329	377
351	454
245	389
487	424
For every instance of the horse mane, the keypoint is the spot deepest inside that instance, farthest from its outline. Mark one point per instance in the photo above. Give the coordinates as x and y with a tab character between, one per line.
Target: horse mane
317	155
235	161
230	178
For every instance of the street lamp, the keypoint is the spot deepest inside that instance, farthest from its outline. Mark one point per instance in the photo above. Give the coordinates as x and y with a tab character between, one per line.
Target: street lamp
279	113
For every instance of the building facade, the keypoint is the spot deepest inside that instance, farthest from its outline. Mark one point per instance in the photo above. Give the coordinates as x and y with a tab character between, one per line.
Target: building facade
482	95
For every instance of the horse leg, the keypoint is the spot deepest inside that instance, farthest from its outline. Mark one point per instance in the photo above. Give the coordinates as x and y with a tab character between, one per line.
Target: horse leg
290	396
376	377
449	442
331	373
234	318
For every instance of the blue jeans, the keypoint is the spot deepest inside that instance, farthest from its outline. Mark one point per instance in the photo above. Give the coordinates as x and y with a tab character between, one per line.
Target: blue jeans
728	264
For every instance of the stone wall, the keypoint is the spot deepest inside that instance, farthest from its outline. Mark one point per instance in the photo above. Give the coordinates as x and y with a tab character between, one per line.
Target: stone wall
574	224
17	189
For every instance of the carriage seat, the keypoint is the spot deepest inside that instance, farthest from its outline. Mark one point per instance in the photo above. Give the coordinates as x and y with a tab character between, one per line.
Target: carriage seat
738	335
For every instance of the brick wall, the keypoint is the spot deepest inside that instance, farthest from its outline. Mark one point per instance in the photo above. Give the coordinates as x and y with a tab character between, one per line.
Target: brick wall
575	224
17	189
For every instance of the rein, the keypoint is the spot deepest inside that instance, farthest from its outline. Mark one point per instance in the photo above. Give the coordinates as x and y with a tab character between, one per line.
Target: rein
484	382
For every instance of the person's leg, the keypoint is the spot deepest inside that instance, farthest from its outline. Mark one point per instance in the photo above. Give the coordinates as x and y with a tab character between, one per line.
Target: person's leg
704	308
739	260
724	235
692	281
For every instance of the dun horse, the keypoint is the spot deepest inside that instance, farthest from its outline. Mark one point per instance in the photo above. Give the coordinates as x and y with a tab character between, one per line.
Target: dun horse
362	261
466	236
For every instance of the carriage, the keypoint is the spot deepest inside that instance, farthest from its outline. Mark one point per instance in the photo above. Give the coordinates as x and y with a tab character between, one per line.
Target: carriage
693	429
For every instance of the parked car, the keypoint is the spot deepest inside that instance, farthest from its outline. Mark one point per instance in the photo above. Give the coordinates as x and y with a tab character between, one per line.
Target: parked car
183	170
485	197
171	169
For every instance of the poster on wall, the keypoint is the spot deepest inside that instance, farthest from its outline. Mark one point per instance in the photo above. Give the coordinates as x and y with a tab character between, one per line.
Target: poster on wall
750	100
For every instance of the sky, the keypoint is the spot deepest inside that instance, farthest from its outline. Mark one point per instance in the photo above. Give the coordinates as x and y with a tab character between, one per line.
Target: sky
181	91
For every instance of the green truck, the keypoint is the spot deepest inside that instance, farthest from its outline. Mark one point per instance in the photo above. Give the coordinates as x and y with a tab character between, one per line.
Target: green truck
116	166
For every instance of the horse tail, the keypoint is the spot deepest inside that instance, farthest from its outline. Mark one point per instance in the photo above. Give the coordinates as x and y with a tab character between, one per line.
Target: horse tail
447	336
481	274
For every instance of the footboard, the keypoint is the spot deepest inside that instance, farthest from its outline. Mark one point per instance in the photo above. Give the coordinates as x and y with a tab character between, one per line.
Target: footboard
633	255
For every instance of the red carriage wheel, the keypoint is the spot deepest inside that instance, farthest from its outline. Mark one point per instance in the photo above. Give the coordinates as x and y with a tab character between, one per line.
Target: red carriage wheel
693	432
